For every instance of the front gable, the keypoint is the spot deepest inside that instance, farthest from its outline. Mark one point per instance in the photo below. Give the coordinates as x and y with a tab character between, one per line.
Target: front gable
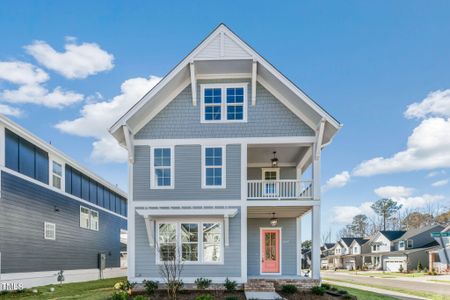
383	243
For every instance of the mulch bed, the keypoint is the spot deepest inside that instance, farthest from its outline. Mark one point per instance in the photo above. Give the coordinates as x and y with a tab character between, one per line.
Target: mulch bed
306	295
190	295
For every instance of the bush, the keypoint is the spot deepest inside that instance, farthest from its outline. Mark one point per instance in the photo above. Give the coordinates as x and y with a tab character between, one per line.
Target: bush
121	295
150	286
342	292
289	289
333	289
232	298
175	286
419	267
230	285
318	290
401	269
204	297
326	286
202	283
124	286
347	297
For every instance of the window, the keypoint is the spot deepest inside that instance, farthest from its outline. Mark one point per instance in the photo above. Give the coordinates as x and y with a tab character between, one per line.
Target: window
167	241
162	168
194	242
401	245
214	167
49	231
212	243
89	218
355	249
57	175
224	103
410	244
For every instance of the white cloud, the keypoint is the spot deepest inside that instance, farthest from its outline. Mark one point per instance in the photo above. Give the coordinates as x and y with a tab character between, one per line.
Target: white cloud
337	181
437	103
97	117
78	61
440	183
418	201
393	191
436	173
344	214
427	148
19	72
10	111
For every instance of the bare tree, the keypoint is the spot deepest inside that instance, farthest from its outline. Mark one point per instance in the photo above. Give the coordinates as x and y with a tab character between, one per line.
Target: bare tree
170	270
360	225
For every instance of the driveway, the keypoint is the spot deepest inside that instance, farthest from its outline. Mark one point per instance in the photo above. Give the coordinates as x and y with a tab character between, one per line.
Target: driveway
403	283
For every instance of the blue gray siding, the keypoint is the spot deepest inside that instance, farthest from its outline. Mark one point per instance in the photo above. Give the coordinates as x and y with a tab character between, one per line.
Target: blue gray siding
145	255
180	119
187	176
25	206
288	245
285	173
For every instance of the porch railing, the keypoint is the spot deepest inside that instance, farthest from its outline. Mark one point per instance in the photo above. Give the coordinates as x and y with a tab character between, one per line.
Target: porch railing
279	189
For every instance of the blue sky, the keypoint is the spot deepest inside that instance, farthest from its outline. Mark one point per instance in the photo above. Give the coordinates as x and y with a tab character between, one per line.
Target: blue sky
365	62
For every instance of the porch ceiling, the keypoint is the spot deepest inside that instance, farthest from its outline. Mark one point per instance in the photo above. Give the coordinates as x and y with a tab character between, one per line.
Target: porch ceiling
260	212
286	153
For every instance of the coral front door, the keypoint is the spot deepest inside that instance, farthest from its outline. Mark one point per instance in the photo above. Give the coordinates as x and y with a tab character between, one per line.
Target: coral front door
270	251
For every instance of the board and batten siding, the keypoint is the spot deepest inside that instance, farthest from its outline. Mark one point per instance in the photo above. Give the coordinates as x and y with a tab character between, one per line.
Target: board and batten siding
25	206
188	178
288	245
145	260
268	118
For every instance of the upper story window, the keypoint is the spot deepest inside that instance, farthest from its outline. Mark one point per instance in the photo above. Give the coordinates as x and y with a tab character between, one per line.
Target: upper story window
401	245
57	174
213	167
224	103
162	166
410	244
355	249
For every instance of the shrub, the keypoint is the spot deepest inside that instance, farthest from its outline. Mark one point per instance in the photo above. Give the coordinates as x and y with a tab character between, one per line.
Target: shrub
342	292
232	298
150	286
400	269
289	289
121	295
175	286
347	297
202	283
333	289
230	285
318	290
419	267
124	286
204	297
326	286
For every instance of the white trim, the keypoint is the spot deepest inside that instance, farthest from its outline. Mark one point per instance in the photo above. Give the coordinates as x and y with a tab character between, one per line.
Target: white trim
2	145
187	203
223	104
268	165
25	134
51	160
129	143
223	167
34	181
298	227
172	212
153	184
90	211
200	244
254	77
300	203
243	211
131	224
224	76
280	229
53	229
297	140
193	83
315	243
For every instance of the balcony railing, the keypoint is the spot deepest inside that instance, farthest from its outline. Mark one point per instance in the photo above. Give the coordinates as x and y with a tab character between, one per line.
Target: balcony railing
279	189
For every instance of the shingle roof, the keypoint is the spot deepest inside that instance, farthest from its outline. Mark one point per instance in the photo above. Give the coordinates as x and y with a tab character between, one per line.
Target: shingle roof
393	234
329	245
361	241
347	241
416	231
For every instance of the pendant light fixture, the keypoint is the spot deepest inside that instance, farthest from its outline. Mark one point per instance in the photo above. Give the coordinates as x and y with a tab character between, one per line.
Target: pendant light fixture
274	160
273	220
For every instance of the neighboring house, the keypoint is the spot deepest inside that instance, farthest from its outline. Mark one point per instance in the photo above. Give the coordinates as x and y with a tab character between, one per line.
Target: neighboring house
439	255
54	214
356	258
381	244
218	151
327	250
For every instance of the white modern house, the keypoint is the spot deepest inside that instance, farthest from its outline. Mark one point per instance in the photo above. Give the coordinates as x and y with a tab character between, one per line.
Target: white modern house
218	154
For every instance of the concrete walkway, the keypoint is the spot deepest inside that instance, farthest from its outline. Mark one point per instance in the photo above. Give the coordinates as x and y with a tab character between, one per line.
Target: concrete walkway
376	290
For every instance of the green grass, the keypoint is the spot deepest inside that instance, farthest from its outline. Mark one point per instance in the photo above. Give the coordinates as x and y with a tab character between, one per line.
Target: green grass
428	295
442	281
360	294
385	274
91	290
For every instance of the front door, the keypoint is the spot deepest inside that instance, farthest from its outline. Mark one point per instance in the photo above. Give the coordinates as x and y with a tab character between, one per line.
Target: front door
270	251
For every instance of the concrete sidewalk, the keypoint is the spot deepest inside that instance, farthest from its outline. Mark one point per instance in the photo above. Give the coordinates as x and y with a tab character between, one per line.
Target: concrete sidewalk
377	290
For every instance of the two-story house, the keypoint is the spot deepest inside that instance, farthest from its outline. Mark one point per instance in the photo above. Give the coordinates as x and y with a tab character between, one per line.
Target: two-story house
381	244
356	258
55	214
439	255
327	252
218	156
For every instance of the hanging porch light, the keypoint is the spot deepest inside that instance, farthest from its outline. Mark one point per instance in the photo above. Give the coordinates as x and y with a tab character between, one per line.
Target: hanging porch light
273	220
274	160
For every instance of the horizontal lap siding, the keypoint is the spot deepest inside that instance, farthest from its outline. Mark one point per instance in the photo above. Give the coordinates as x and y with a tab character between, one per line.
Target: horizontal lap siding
145	255
187	176
268	118
288	245
24	207
254	173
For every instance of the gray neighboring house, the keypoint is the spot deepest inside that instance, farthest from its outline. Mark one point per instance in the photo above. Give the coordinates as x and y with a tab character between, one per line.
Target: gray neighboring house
218	152
439	255
355	259
55	214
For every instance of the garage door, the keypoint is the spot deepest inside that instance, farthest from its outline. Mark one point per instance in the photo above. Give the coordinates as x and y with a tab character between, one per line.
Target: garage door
394	265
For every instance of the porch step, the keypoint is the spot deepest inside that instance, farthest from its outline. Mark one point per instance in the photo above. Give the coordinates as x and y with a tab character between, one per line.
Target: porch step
259	285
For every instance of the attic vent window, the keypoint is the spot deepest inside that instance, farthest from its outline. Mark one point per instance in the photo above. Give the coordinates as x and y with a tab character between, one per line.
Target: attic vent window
224	103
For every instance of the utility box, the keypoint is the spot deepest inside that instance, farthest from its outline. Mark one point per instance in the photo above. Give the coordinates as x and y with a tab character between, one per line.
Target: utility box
102	261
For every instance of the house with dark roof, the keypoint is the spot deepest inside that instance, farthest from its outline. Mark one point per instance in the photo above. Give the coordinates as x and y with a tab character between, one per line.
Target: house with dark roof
354	260
327	250
439	255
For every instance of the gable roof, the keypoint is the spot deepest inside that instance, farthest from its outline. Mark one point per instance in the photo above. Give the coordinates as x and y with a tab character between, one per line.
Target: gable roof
393	234
417	231
359	241
346	241
329	245
223	50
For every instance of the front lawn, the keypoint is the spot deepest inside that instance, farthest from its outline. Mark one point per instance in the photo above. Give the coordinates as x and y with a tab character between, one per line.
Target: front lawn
92	290
364	295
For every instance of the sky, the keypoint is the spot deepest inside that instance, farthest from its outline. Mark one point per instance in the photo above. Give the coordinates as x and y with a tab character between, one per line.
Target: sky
68	69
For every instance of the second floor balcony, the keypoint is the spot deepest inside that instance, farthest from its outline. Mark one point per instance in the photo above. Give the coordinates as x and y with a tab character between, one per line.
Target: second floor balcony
284	189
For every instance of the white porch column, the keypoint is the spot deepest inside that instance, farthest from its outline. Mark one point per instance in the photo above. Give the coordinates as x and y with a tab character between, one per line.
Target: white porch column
131	225
315	237
299	245
244	212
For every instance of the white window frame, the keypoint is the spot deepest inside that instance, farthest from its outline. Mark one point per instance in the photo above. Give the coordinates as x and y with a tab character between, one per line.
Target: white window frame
62	177
408	243
53	229
401	245
153	182
200	239
90	211
224	167
223	103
